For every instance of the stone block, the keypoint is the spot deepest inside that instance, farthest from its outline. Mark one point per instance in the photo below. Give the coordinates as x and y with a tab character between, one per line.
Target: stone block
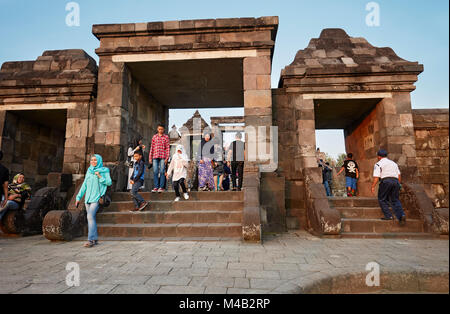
257	65
258	99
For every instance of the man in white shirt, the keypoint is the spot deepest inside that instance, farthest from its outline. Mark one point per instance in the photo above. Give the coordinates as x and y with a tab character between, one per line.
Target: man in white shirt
387	172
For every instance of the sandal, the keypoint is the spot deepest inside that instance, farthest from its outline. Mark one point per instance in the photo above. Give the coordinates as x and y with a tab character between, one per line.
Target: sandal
89	244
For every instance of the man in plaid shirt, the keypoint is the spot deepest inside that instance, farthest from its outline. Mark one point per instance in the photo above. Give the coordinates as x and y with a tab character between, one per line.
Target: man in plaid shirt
159	154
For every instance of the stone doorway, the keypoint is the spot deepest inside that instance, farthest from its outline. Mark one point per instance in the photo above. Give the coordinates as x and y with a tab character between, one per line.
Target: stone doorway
33	143
361	130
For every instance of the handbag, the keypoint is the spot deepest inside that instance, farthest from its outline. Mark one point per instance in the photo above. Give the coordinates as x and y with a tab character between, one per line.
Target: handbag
105	199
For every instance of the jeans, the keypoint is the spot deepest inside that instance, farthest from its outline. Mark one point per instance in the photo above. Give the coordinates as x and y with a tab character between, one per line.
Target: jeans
176	187
388	194
91	210
9	205
237	166
137	198
159	176
351	183
326	184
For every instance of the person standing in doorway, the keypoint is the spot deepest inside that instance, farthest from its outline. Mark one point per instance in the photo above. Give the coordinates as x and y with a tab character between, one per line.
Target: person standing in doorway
94	186
327	176
205	167
4	179
236	154
388	174
137	181
159	155
351	174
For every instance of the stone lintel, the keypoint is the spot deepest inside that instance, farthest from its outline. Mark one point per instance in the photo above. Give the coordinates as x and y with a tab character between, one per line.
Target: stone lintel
71	105
188	55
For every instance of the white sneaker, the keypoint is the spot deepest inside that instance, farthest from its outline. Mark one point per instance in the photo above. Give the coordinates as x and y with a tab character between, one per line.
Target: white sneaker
186	196
177	199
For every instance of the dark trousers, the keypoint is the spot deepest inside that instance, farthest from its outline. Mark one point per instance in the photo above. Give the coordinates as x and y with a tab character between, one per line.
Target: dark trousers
137	198
388	195
237	166
176	187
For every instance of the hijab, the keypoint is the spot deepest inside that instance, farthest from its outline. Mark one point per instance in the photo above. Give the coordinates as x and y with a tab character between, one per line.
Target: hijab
99	168
22	186
183	155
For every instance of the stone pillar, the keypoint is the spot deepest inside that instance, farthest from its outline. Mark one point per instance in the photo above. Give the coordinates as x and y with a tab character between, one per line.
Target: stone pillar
111	112
306	134
79	127
258	112
397	133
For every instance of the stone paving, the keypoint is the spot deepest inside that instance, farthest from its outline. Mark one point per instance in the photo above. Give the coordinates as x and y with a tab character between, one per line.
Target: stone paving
281	265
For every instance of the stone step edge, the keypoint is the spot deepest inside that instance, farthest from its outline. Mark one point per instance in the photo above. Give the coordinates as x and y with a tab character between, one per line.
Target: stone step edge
378	219
171	225
182	201
390	234
159	239
172	212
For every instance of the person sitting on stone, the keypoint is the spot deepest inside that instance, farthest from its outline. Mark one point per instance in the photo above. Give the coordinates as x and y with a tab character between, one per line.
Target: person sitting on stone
18	192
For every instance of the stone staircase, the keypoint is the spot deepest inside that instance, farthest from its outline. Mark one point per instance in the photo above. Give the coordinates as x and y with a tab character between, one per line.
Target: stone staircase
205	216
361	219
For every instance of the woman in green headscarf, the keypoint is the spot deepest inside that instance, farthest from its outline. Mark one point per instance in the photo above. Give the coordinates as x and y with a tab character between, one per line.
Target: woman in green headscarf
94	186
18	192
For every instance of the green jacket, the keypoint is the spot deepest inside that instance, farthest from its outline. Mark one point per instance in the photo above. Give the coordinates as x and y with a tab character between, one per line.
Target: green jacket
93	188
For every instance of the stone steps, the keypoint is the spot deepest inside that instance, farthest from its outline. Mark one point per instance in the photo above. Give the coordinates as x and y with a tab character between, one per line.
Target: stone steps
380	226
354	202
206	215
189	205
181	230
195	216
389	235
361	218
193	196
367	213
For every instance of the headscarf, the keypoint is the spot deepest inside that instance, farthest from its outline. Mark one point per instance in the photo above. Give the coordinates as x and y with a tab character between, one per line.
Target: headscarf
19	187
99	168
183	155
23	189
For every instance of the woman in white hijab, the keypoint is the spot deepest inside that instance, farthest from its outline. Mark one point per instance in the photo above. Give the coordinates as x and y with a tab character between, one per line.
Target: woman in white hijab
178	167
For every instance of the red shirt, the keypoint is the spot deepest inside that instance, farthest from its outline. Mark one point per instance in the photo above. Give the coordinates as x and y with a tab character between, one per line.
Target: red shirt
160	147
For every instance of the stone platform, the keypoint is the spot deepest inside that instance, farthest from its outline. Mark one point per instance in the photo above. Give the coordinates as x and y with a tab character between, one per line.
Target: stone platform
288	263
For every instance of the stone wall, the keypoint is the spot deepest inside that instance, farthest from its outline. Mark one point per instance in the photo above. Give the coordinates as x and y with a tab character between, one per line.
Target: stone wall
31	148
431	129
362	139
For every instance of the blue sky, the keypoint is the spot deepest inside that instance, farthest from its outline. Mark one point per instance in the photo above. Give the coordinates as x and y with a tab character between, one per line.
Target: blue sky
416	30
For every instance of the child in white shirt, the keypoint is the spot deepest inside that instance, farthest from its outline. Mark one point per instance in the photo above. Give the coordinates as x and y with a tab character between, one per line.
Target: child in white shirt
178	166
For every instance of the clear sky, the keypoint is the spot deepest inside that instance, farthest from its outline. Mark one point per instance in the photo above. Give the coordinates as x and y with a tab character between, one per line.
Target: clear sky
416	30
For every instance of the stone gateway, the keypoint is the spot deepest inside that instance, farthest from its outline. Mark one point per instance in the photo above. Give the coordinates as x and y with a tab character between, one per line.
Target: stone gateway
61	108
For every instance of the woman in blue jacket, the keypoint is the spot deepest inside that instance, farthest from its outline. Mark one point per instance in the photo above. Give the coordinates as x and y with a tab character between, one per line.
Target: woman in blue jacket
94	187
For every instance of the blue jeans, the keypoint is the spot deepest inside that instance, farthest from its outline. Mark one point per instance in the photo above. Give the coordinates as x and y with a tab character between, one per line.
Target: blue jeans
351	183
388	194
137	198
91	210
326	184
9	205
159	176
